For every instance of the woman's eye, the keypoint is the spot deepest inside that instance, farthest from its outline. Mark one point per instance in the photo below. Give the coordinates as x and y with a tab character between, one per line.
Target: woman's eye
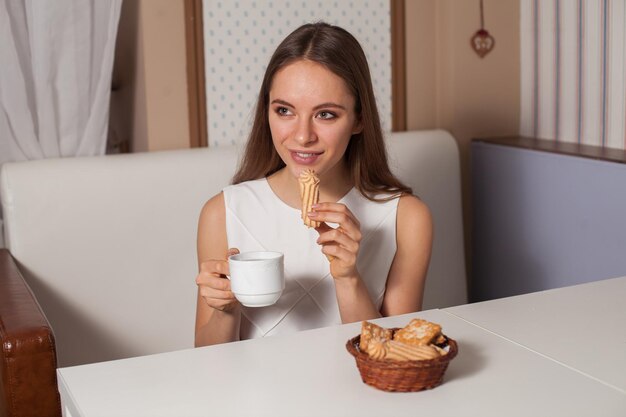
326	115
283	111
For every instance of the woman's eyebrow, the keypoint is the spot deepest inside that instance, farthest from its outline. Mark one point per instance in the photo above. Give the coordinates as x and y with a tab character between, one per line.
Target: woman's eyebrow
329	104
319	106
283	102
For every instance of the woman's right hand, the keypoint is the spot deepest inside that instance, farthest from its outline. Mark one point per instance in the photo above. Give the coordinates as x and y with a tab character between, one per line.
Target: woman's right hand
213	285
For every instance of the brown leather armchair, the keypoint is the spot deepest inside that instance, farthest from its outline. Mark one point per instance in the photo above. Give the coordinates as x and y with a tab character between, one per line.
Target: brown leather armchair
28	368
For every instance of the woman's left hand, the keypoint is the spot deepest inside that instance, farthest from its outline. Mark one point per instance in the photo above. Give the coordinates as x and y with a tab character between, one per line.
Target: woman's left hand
342	243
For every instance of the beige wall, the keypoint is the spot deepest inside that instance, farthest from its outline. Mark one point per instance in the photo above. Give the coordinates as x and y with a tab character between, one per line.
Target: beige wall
421	63
150	107
450	87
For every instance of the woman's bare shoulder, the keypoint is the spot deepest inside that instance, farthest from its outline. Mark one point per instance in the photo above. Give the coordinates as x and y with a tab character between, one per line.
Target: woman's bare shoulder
212	241
411	208
414	223
213	210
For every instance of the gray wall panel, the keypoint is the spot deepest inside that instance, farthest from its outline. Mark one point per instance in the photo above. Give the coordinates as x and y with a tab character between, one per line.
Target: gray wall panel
544	220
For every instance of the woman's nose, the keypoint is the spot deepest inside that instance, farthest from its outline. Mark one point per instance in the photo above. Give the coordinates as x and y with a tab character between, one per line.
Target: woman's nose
305	133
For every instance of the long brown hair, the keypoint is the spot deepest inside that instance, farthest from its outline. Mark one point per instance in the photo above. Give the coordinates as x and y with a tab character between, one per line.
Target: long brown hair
366	156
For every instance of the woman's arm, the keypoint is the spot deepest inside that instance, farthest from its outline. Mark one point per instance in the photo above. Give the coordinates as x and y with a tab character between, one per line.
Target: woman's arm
342	244
407	275
218	313
354	300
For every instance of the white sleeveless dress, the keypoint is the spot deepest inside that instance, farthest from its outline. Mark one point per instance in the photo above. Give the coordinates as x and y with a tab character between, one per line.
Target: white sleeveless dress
256	219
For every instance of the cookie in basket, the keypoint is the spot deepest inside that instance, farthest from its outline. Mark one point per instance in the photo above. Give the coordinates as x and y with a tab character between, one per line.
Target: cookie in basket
371	332
394	365
418	332
399	351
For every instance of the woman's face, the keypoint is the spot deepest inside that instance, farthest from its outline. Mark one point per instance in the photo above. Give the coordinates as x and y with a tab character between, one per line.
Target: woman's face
311	117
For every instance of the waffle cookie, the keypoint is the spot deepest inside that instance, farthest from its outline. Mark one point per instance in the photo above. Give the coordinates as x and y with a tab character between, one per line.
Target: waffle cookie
418	333
310	194
402	352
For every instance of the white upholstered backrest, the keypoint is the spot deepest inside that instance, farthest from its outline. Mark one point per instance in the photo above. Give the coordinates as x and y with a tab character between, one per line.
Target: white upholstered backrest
108	246
108	243
428	161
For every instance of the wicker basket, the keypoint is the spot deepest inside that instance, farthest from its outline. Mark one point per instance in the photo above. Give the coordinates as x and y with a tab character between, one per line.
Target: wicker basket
401	376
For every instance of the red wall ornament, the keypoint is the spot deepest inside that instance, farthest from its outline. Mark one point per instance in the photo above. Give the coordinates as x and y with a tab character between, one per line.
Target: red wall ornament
482	42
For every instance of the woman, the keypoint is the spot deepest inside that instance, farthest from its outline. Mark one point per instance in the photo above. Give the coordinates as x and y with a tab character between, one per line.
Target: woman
315	110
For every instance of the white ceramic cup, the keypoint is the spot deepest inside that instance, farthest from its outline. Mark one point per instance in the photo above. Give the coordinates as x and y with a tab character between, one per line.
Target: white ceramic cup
257	278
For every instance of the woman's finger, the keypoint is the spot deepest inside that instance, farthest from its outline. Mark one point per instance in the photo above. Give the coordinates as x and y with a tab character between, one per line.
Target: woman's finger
220	305
214	267
336	208
213	284
213	294
339	237
221	284
209	292
345	222
346	256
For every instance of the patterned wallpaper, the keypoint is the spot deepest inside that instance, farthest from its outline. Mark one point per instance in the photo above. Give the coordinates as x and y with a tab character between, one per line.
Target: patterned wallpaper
240	37
573	69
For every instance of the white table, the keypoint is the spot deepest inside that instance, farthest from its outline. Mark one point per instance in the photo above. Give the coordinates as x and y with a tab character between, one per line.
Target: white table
582	327
311	374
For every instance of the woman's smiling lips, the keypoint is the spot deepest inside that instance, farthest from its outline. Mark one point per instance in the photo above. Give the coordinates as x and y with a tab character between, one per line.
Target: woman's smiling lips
305	158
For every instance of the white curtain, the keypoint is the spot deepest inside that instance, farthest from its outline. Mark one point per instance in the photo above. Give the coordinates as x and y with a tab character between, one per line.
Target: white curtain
56	61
